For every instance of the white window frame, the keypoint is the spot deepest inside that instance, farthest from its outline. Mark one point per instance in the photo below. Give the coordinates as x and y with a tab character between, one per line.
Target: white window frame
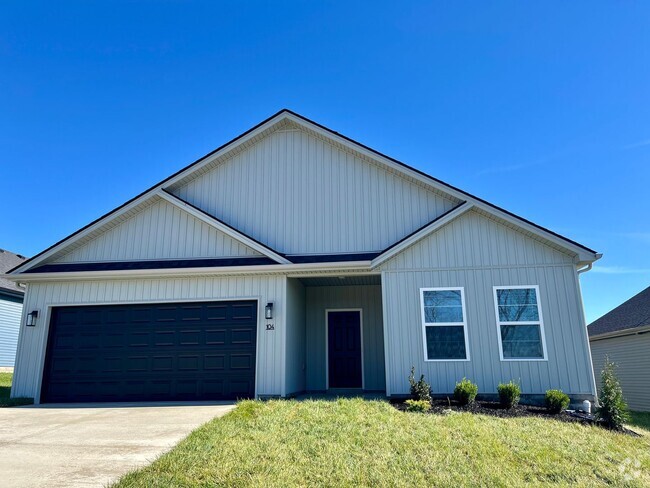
426	324
539	322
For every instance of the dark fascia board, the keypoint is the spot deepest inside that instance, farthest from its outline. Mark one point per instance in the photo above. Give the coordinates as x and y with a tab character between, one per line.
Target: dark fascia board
440	182
331	258
151	264
285	110
244	134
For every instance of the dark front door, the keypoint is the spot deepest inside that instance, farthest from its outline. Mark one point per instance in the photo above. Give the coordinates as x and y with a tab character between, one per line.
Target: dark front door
163	351
344	349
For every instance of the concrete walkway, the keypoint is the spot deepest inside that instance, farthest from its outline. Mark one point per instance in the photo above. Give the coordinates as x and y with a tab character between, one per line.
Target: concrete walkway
91	444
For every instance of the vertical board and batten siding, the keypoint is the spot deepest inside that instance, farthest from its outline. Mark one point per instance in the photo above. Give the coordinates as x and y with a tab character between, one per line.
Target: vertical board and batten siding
631	354
41	296
365	297
299	194
295	338
159	231
478	253
10	314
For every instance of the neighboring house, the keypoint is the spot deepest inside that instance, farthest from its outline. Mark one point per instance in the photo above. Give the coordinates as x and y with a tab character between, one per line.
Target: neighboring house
11	307
624	335
293	259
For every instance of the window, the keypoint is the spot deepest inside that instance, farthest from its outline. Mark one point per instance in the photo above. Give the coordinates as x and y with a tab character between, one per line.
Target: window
443	323
519	320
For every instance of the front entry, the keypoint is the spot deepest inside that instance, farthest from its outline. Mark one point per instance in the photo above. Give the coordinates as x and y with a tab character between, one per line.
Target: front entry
344	349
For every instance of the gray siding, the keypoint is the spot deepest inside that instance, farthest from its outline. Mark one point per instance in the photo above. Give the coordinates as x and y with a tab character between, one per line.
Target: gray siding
32	340
158	231
10	314
300	194
632	355
478	253
368	298
295	341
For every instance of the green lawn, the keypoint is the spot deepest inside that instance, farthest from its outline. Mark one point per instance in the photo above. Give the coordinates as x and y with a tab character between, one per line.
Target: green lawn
640	419
369	443
5	391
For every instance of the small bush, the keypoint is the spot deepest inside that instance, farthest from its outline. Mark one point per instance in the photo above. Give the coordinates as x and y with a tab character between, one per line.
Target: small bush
613	409
556	400
465	392
509	394
418	405
420	390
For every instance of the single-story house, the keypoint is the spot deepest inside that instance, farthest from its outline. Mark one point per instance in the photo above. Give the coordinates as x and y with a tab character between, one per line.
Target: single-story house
11	307
294	259
623	335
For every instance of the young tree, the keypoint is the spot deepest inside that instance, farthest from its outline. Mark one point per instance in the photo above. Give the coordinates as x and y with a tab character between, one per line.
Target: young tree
613	409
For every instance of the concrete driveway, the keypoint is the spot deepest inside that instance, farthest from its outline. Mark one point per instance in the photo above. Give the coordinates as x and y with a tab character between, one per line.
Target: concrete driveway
91	444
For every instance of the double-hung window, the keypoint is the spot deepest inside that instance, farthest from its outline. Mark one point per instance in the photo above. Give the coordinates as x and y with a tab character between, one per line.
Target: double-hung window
519	320
444	324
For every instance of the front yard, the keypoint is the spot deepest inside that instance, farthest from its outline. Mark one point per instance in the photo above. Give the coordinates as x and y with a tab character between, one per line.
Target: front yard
357	442
5	392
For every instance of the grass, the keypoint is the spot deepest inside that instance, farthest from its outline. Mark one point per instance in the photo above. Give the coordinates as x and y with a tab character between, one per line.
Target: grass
5	391
640	419
369	443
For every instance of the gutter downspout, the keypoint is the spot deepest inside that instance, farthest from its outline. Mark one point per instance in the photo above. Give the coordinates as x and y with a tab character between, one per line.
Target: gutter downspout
586	268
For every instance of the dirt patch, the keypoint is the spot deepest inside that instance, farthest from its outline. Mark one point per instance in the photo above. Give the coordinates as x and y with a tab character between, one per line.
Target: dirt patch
445	407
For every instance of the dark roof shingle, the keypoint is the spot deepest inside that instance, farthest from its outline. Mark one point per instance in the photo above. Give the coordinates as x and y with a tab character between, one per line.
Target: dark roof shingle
9	260
629	315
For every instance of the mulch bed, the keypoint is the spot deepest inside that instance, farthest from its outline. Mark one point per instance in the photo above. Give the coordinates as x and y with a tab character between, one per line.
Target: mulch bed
445	407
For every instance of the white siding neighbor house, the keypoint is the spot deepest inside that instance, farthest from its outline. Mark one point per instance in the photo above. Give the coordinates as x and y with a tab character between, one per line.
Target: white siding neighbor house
623	335
293	259
11	308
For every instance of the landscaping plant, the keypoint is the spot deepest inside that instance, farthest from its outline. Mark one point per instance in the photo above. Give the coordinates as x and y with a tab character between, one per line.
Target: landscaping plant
613	409
420	390
509	394
418	405
465	392
556	400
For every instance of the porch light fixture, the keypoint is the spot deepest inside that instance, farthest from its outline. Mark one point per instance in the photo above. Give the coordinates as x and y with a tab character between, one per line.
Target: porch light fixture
268	311
31	318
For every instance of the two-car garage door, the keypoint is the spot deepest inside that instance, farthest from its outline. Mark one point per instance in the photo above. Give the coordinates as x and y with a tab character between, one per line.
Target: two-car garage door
165	351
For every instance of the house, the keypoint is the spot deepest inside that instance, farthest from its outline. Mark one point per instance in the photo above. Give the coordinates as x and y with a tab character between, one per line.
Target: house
11	306
294	259
623	335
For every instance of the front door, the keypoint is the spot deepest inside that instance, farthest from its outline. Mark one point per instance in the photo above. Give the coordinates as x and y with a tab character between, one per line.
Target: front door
344	349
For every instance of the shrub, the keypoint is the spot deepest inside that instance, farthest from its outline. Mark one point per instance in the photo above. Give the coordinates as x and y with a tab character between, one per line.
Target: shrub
509	394
418	405
465	392
556	400
613	409
420	390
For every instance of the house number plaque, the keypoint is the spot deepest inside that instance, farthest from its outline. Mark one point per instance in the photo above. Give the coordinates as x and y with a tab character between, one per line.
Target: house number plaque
270	327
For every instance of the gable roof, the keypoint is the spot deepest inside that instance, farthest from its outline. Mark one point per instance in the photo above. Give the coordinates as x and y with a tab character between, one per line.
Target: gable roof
284	117
631	314
9	260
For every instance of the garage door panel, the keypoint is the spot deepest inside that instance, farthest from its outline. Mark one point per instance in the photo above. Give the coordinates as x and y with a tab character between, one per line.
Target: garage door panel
151	352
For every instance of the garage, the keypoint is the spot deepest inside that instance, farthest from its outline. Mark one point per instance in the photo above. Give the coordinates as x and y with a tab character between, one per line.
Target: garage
151	352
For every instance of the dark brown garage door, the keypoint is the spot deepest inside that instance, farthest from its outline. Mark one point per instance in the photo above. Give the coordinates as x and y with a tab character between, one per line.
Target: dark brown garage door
171	351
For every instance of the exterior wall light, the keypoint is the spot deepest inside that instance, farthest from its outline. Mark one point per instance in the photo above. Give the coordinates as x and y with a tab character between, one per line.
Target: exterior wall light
31	318
268	311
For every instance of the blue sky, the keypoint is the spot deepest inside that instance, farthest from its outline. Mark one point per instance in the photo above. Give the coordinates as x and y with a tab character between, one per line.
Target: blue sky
541	108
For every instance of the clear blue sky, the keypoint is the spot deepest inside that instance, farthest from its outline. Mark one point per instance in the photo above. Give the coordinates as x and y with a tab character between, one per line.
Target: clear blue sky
541	109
